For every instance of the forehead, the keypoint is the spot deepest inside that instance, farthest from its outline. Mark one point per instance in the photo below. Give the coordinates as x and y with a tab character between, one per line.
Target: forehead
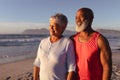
79	13
53	22
56	21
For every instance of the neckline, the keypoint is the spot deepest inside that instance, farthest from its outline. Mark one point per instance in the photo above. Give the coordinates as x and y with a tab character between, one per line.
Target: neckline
55	41
94	34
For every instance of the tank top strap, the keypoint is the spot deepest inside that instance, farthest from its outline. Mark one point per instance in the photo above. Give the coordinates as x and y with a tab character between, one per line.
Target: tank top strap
96	36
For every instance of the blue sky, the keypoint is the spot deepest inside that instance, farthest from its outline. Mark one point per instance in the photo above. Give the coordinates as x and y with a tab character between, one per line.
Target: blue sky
18	15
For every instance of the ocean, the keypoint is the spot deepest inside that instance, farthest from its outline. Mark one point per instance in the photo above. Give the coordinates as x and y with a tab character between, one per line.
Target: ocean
15	47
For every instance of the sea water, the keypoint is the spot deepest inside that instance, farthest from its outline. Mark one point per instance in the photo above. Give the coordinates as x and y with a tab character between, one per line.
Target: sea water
15	47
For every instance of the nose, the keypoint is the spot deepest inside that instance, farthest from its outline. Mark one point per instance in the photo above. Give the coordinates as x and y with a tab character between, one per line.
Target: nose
77	19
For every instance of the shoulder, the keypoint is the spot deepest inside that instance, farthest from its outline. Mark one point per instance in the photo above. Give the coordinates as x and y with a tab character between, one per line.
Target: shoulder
66	42
102	38
73	36
44	40
102	41
64	39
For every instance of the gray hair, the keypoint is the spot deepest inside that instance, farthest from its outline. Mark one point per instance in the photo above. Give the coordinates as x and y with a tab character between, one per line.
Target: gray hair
60	19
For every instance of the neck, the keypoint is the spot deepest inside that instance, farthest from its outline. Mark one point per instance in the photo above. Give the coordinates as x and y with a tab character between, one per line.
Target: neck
54	38
87	32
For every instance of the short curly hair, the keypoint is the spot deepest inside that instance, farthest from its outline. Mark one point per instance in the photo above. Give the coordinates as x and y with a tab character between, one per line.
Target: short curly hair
60	18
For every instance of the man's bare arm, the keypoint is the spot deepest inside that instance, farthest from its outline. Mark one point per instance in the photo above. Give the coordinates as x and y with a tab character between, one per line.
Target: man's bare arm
105	57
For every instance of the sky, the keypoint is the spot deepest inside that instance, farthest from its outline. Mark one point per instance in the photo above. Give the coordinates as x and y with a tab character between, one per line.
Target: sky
19	15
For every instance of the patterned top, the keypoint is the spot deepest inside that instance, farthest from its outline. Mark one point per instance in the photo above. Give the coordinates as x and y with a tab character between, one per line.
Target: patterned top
88	58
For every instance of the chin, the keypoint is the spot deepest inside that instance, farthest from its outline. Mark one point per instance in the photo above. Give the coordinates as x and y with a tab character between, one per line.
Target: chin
51	34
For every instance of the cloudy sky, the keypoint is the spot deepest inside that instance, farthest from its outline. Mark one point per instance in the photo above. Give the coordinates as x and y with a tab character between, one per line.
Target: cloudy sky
18	15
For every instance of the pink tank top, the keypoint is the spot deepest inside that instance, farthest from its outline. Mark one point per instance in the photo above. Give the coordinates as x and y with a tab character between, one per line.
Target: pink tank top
88	59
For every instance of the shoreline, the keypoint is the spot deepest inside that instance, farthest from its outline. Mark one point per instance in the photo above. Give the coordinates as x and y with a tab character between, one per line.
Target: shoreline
15	59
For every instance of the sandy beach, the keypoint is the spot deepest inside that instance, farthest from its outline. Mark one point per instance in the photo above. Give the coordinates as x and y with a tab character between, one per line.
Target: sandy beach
22	70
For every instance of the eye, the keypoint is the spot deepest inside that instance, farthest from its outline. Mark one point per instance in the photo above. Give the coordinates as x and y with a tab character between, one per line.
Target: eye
76	18
51	26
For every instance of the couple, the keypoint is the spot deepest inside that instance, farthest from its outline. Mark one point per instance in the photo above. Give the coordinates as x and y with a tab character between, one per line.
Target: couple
87	56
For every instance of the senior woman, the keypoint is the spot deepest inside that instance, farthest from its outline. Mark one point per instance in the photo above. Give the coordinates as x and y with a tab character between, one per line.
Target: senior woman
55	57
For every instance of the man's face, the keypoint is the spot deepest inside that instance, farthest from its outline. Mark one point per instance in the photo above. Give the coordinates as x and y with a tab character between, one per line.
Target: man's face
81	23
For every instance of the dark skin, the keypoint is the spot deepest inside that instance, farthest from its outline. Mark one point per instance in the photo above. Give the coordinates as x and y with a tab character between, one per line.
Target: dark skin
105	52
103	45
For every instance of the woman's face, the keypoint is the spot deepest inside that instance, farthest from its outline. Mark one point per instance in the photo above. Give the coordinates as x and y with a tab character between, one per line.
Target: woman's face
55	29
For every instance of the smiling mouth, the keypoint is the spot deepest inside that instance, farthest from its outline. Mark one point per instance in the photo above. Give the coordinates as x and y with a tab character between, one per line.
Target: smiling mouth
79	23
52	31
